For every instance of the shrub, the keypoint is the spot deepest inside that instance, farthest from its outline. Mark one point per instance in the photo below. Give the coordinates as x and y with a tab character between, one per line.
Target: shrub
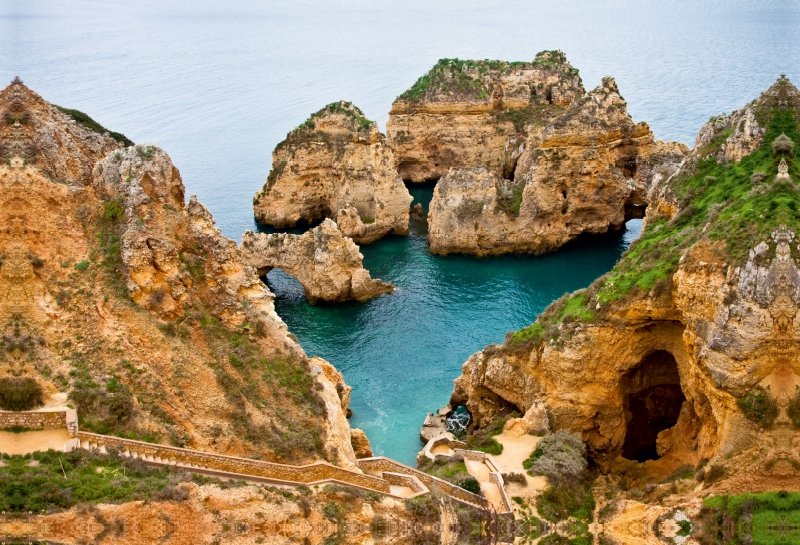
559	502
484	443
93	125
20	394
175	493
423	508
470	484
562	459
759	406
516	478
782	145
81	265
713	474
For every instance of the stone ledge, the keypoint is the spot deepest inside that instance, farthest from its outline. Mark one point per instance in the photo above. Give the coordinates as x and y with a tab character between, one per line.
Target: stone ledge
41	420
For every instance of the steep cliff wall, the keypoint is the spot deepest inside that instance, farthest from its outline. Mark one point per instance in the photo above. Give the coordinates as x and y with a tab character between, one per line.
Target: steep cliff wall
475	113
128	303
335	165
586	170
686	350
327	264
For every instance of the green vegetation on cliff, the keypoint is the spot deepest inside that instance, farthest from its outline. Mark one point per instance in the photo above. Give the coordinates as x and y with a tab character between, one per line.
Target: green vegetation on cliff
46	481
470	79
733	206
93	125
309	129
758	519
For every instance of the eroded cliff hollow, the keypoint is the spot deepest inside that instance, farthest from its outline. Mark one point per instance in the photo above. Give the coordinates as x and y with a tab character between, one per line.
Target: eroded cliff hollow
466	113
586	170
335	165
686	352
123	300
327	264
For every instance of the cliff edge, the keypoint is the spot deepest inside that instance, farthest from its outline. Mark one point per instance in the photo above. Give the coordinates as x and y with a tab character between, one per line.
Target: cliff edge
686	352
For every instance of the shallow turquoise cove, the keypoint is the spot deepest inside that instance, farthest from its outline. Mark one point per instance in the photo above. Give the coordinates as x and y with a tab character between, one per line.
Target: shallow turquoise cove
401	352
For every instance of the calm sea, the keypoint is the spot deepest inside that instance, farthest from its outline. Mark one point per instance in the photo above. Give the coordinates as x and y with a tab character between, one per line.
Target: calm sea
217	85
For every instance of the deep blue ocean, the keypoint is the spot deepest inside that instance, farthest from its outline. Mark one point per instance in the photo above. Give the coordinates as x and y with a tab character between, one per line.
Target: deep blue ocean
217	85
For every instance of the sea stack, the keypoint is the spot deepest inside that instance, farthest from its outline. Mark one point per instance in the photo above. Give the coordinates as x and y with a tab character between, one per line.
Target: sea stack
336	165
586	170
467	113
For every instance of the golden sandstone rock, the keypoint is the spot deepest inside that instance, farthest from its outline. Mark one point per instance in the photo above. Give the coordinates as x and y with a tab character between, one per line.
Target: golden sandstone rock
686	351
474	113
335	165
586	170
326	263
122	299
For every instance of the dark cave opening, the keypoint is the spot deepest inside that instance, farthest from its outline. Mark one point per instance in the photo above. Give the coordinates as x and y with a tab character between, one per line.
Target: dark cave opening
634	211
653	399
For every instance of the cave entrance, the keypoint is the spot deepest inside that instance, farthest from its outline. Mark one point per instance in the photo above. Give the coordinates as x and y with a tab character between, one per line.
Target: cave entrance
653	399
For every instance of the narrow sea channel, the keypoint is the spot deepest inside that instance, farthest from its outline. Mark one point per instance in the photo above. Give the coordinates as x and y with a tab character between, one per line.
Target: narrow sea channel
401	352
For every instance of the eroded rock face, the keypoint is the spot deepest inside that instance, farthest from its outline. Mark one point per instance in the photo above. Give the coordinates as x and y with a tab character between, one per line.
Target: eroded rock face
327	264
361	445
658	362
588	170
129	304
39	133
336	165
475	113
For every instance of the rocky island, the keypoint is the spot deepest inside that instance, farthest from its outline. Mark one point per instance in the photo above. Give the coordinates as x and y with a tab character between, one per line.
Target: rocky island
335	165
587	169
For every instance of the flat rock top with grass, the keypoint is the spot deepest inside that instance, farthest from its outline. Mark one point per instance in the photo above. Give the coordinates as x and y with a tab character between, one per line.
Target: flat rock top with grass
475	113
687	351
549	78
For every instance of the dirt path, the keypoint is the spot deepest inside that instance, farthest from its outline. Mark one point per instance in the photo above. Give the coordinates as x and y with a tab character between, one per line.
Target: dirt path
32	441
516	449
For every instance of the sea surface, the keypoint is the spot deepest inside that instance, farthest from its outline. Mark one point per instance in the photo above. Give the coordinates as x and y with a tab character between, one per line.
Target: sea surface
218	85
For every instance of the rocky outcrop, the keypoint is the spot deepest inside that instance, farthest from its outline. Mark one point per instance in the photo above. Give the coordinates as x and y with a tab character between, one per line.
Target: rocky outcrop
127	303
687	349
476	113
63	144
338	443
730	137
327	264
335	165
361	445
588	170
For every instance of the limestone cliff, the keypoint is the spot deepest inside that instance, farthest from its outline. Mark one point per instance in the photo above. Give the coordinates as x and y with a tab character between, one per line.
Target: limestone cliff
586	170
335	165
476	113
126	302
687	350
327	264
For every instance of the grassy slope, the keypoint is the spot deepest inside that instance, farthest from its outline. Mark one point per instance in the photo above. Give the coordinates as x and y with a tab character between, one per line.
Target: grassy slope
721	195
760	519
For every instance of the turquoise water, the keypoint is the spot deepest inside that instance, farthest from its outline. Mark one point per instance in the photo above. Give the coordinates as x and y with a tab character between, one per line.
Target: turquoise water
218	85
401	352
